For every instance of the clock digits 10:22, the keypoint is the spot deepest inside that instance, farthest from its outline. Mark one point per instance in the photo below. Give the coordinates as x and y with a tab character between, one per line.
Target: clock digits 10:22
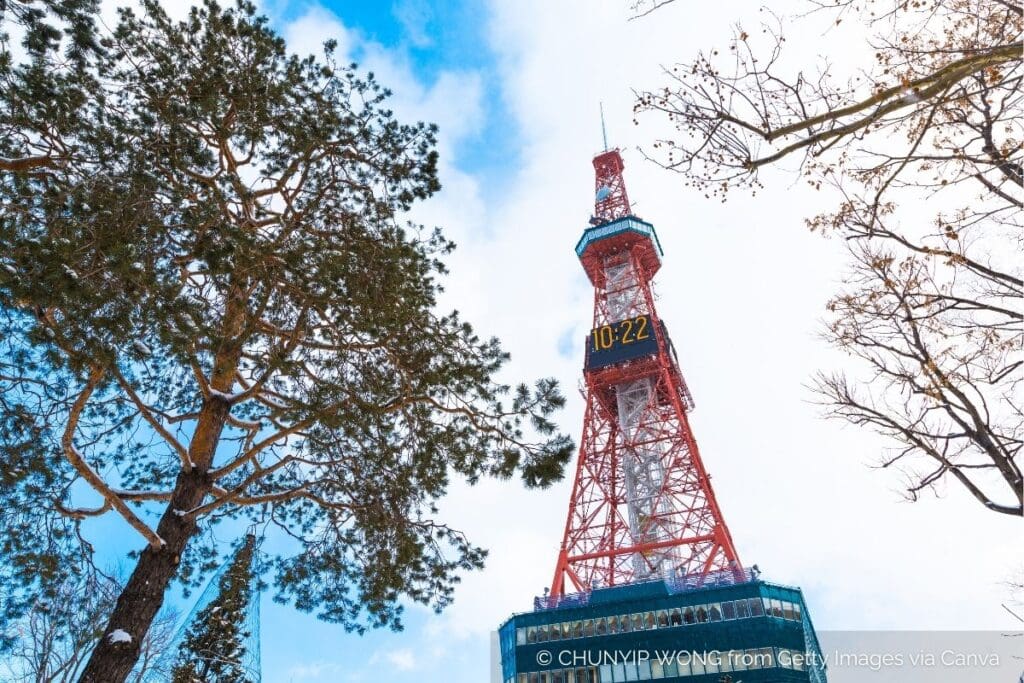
628	331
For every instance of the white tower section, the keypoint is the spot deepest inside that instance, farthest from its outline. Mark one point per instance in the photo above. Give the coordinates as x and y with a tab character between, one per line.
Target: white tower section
643	471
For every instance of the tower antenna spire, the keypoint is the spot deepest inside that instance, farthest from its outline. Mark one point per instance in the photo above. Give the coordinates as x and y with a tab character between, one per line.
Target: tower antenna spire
604	132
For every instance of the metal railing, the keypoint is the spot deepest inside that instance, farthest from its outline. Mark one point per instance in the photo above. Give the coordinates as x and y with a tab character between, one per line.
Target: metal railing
675	585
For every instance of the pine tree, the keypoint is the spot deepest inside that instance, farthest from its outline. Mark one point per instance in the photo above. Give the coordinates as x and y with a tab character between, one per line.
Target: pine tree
217	308
214	647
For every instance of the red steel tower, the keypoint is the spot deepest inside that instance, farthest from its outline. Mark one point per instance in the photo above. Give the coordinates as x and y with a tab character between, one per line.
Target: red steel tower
642	506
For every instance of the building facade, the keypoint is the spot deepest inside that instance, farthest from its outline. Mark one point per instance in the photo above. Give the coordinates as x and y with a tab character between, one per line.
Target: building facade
752	631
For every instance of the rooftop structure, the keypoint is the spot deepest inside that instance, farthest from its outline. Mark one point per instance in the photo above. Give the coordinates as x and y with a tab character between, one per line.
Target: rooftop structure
752	631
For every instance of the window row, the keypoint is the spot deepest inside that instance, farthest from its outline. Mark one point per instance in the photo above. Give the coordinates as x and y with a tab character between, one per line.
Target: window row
645	621
668	666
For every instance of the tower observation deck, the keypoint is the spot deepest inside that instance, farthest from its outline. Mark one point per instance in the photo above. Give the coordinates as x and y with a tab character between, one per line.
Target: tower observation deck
647	564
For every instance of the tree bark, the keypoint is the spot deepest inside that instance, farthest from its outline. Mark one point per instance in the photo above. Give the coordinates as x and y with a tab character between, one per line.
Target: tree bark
143	595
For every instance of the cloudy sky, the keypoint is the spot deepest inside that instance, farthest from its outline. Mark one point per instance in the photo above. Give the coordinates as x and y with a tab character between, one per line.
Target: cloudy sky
515	87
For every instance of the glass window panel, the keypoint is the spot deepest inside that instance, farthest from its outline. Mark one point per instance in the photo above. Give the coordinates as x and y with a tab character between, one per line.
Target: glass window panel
643	670
756	608
657	669
588	628
581	675
631	672
557	677
577	629
714	612
524	678
649	620
797	615
542	634
742	612
787	610
531	634
688	616
776	608
638	622
697	665
619	673
675	618
662	619
566	630
600	627
570	676
702	614
725	666
535	678
520	636
767	658
555	632
672	667
728	610
711	663
624	624
605	673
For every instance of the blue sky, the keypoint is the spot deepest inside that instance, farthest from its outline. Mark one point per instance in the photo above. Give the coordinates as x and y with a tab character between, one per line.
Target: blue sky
515	86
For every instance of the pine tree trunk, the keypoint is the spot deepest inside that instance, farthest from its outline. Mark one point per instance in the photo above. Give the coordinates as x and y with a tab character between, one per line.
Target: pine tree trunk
143	595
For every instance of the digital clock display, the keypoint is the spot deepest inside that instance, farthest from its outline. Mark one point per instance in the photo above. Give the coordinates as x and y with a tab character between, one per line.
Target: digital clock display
621	341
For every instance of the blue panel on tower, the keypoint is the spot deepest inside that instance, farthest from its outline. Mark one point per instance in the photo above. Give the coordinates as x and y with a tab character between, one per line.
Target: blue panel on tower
617	227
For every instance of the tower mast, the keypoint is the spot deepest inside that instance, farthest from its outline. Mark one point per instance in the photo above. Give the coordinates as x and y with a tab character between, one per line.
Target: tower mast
642	505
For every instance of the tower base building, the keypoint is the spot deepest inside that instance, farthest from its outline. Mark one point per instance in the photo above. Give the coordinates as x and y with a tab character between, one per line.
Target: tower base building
665	630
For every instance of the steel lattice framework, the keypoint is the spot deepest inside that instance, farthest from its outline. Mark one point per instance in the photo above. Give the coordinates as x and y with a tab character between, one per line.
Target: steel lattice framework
642	505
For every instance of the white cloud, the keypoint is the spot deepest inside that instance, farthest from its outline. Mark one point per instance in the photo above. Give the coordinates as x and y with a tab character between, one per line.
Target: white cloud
414	16
402	659
307	34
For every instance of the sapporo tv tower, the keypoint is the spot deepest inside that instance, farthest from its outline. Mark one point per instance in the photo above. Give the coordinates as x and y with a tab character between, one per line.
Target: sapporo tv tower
648	584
